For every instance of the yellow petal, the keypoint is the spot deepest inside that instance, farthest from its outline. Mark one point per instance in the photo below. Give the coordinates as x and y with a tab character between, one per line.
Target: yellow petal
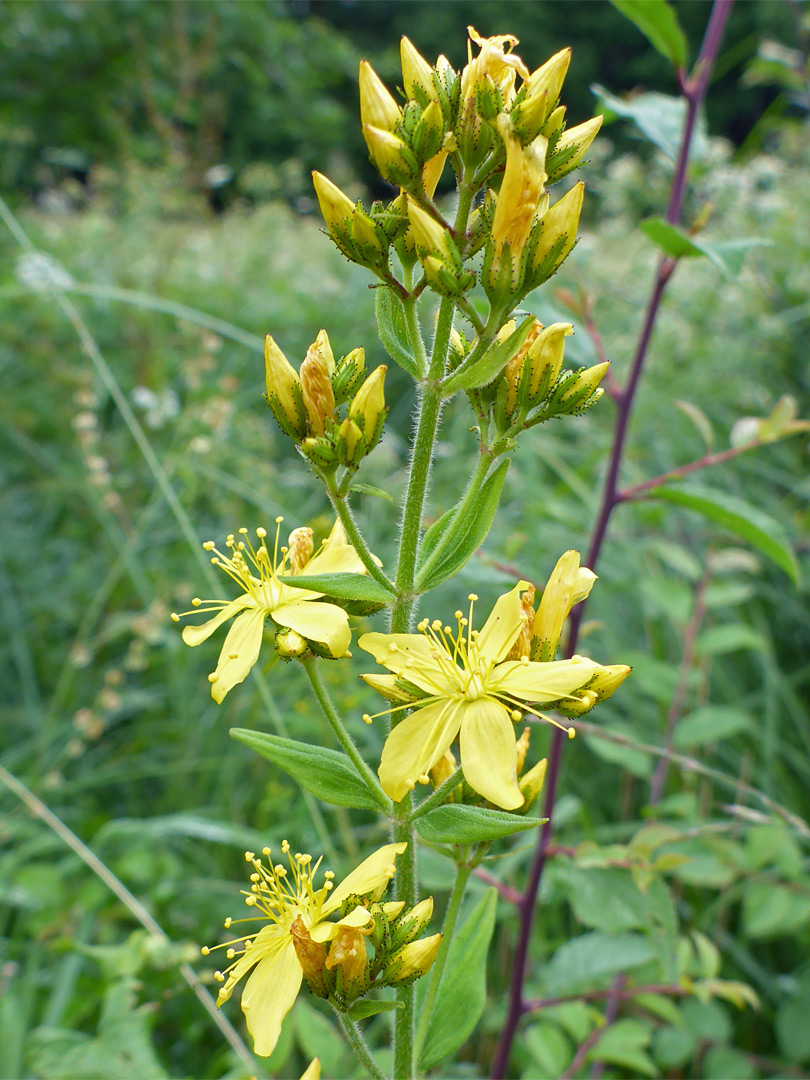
325	931
488	756
239	652
367	879
416	744
195	635
318	622
266	943
415	658
499	632
542	682
312	1071
269	995
337	556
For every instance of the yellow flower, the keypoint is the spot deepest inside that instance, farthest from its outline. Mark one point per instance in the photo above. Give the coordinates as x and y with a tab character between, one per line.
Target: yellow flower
263	595
496	61
521	193
281	898
471	691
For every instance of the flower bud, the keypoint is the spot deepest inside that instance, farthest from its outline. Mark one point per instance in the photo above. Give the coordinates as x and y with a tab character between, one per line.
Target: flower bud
568	585
311	956
350	444
428	135
603	685
321	451
556	236
443	769
430	237
352	230
391	157
414	960
523	642
336	208
349	374
571	147
542	91
521	749
574	394
377	107
367	408
417	74
410	925
523	185
531	784
389	687
545	359
290	644
284	394
316	383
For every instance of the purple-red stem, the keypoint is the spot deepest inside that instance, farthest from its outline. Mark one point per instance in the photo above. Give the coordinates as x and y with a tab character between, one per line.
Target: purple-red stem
694	91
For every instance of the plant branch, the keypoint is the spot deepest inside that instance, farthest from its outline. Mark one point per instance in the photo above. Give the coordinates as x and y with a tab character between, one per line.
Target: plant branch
341	507
694	91
611	1011
638	490
538	1004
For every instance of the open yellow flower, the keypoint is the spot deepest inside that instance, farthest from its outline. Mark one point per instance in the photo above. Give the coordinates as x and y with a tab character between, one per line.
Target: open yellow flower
471	690
281	898
296	609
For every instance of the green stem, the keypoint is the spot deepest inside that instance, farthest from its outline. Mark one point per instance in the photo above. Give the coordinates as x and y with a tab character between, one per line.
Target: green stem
403	609
460	514
310	664
358	1044
415	333
439	796
453	905
343	510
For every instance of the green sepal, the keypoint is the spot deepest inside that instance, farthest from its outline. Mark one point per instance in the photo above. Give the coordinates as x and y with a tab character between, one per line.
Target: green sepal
327	774
491	364
469	824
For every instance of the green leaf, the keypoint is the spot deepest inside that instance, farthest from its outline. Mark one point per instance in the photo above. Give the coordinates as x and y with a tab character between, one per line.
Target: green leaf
463	990
727	255
773	911
699	419
659	117
344	586
470	534
361	1009
709	724
592	959
549	1048
792	1029
369	489
469	824
721	1062
494	360
657	21
392	327
607	898
738	517
718	640
623	1044
327	774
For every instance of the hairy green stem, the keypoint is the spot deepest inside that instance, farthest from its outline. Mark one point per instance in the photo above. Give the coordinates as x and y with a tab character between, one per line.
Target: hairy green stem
341	507
439	796
451	914
415	334
310	664
360	1047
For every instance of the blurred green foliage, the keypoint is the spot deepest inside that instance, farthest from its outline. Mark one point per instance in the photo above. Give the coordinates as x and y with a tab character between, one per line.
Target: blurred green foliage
105	713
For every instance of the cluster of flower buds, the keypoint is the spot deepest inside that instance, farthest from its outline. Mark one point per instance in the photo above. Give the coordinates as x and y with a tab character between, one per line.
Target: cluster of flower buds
507	139
569	584
533	386
306	403
388	951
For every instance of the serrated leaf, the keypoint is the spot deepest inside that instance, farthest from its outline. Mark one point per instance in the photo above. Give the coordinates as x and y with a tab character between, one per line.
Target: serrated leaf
470	535
710	723
327	774
369	489
727	255
738	517
659	117
463	990
469	824
657	21
393	330
494	360
361	1009
344	586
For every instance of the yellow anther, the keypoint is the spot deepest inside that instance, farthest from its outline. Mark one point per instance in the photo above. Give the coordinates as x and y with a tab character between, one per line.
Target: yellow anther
328	885
255	877
285	846
230	954
250	900
516	714
448	629
279	520
261	533
366	718
196	601
219	976
243	531
393	647
524	660
458	614
205	950
472	596
423	625
174	617
436	624
423	779
212	677
571	732
228	922
209	545
329	874
265	851
233	655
